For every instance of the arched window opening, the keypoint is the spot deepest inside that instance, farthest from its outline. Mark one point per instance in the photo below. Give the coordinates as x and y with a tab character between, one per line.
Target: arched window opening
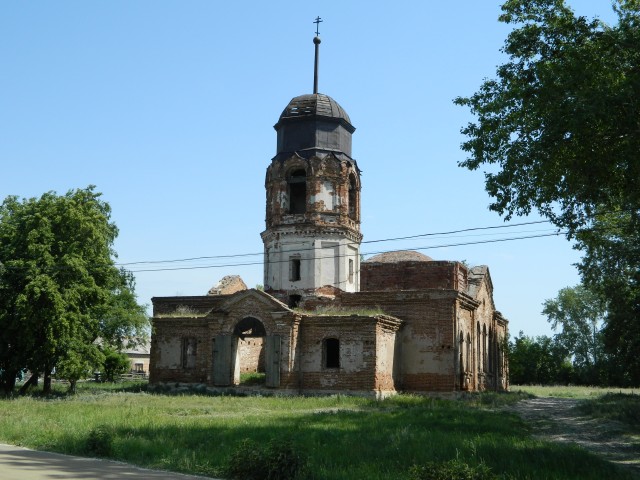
331	352
484	347
353	197
468	352
479	349
462	357
298	192
491	351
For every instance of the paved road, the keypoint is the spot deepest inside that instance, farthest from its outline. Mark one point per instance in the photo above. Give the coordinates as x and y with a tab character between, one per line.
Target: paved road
17	463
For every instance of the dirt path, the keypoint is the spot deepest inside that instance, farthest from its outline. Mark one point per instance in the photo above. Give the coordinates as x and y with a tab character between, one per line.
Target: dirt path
558	420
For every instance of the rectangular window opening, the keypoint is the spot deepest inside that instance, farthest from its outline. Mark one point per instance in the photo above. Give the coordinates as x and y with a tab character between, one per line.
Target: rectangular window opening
294	269
189	350
332	353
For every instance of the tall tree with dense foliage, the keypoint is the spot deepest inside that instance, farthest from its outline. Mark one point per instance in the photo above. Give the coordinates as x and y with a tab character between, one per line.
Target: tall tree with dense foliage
559	129
577	313
538	360
58	280
611	267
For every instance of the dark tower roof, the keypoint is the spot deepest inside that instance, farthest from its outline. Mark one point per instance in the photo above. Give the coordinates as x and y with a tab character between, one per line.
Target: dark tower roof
314	124
313	106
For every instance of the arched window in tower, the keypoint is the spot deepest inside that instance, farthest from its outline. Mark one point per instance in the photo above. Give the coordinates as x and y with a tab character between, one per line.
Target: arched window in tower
298	191
353	197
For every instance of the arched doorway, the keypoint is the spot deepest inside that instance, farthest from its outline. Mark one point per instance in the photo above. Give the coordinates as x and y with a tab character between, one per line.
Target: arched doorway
249	362
247	349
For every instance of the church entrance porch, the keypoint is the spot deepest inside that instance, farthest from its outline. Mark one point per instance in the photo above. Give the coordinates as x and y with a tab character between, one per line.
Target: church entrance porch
249	352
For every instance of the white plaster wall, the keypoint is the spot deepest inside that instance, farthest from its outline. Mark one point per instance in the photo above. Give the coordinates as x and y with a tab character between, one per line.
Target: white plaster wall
326	195
422	354
352	356
385	350
170	350
324	260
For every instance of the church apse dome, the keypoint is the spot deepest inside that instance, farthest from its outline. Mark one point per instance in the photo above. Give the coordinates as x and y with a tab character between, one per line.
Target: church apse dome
314	123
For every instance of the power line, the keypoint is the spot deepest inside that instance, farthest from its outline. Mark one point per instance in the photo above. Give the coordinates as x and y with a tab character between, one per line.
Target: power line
201	267
392	239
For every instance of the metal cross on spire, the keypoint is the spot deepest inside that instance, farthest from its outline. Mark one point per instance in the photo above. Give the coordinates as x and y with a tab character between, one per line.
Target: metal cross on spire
316	42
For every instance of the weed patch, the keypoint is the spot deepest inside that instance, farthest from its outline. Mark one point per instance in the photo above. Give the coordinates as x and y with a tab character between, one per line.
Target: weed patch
100	441
451	470
277	460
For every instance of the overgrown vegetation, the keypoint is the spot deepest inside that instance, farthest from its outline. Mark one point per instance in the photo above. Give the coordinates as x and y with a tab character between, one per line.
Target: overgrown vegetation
183	311
346	311
335	437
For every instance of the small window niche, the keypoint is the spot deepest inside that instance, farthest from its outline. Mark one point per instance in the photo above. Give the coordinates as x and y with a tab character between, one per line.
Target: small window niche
298	192
189	350
351	270
294	301
294	269
331	353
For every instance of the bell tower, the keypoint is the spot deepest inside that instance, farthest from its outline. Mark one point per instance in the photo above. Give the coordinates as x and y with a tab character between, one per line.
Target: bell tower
312	237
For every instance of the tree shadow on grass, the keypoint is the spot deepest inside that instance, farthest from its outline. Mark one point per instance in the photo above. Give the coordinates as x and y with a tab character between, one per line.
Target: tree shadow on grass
380	441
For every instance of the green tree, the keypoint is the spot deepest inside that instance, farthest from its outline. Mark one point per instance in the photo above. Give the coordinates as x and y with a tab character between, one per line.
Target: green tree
79	362
114	365
538	360
578	313
611	267
57	280
559	130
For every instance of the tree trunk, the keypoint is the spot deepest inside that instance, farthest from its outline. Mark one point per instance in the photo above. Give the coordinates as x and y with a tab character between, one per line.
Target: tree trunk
46	383
72	386
8	383
32	382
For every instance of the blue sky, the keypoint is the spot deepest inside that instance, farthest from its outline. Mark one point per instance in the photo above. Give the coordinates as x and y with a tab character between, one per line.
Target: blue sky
168	108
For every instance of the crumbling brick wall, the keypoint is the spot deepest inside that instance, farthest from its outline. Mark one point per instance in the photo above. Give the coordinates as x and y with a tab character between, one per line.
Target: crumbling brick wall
412	275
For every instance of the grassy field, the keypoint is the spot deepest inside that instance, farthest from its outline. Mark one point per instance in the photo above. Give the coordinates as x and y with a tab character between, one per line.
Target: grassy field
343	437
579	392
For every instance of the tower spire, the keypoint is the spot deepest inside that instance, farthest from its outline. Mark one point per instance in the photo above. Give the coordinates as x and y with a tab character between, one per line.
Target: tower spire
316	42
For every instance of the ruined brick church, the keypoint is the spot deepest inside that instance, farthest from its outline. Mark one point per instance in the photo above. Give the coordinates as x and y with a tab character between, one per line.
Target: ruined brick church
327	322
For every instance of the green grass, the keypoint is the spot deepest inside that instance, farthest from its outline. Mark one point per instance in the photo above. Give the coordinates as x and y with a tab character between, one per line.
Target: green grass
252	378
343	437
621	407
580	392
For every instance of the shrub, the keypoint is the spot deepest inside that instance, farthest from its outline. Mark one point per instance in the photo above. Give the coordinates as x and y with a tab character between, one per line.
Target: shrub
100	441
451	470
277	460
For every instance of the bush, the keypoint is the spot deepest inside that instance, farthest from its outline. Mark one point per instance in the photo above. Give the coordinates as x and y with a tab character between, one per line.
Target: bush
278	460
451	470
100	441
